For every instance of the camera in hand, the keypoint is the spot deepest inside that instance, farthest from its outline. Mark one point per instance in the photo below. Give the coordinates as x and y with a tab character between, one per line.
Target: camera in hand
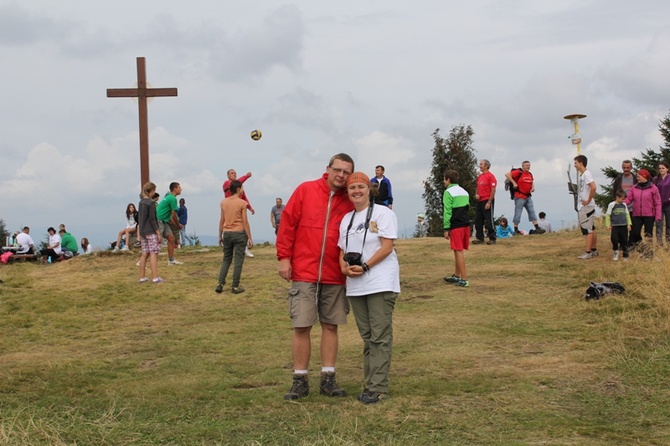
353	258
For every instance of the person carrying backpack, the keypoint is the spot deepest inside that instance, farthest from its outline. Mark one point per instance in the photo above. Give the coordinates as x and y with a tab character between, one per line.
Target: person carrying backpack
523	186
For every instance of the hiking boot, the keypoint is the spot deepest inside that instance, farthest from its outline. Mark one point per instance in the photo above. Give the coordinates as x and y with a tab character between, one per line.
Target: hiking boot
615	258
462	283
539	230
594	253
299	388
586	255
477	242
328	385
516	231
452	279
491	242
370	397
238	290
219	288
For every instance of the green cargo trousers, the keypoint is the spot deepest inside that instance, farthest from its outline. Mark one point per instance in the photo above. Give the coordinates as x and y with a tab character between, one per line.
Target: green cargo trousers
374	318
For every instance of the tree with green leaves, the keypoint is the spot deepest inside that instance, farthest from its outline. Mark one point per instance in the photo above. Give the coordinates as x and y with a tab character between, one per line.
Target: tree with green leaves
453	152
3	232
649	160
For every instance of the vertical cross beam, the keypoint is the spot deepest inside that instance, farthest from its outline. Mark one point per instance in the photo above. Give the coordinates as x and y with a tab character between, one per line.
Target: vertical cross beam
142	93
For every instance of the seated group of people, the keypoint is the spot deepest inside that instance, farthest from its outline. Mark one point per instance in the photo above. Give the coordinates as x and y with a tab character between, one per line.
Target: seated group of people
61	245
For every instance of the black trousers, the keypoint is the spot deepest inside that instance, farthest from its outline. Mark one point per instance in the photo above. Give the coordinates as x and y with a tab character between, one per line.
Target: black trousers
636	230
484	218
619	239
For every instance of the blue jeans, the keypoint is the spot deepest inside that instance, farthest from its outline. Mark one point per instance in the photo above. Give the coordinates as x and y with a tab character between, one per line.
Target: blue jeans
519	205
234	244
183	237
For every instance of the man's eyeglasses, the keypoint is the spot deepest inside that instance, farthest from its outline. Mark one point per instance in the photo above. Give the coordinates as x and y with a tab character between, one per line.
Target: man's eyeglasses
339	171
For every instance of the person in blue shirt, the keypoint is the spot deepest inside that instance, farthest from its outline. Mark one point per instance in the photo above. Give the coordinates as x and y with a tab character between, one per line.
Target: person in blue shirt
503	230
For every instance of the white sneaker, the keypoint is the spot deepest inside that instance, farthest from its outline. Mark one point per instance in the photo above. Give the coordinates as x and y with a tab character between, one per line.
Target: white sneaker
616	256
116	249
248	252
586	255
125	248
174	262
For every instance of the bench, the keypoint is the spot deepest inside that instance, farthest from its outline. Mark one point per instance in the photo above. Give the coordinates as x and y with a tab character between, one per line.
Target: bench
22	257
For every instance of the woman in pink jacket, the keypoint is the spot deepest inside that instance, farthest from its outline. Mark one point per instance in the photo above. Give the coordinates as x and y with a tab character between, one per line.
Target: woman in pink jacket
646	202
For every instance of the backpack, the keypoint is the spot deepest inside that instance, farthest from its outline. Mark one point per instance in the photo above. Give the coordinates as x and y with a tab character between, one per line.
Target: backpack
509	186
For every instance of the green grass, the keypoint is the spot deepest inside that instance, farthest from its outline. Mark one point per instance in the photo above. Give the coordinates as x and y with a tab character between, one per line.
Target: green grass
90	357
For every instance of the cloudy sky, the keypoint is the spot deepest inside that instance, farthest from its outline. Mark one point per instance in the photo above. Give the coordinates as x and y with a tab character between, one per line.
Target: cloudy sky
371	78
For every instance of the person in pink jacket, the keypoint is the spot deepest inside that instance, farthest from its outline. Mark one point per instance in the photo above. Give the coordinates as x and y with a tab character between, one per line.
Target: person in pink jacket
646	201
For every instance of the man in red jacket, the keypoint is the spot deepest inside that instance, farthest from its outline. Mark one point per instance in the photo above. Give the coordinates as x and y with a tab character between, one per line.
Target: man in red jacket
309	257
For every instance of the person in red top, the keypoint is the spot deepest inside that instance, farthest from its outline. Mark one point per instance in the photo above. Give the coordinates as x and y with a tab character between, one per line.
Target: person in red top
308	256
485	196
232	176
522	182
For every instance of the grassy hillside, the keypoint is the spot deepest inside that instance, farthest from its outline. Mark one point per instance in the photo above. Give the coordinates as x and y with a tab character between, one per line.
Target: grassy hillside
90	357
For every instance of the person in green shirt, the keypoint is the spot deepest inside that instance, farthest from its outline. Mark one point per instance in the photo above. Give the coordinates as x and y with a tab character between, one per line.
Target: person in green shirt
168	221
68	242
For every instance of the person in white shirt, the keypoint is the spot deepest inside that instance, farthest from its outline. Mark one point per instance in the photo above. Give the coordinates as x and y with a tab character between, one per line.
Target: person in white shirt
586	207
25	241
370	264
543	223
53	249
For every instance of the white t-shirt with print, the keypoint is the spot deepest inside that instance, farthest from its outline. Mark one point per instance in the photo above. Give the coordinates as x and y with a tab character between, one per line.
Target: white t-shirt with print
384	276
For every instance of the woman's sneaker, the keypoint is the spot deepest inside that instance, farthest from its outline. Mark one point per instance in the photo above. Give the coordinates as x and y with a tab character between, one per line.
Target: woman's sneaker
452	279
462	283
616	256
158	280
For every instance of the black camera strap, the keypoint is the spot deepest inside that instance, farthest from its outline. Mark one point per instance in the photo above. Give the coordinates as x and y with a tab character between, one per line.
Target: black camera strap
367	225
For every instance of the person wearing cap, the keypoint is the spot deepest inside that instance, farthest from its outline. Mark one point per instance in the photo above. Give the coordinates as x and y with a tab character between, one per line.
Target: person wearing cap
309	257
421	226
369	260
586	207
646	202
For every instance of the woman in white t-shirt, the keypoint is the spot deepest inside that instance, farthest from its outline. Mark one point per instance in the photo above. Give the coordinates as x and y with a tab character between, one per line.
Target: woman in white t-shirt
369	261
131	227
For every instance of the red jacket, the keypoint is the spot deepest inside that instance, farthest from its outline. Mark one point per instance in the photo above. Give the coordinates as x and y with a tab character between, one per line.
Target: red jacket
309	232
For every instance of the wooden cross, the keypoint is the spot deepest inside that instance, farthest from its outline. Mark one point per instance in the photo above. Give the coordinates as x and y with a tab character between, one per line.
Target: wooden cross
142	93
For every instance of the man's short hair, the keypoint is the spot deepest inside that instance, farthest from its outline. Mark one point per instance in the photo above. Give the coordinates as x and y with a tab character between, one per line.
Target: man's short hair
380	167
26	228
451	175
342	157
627	162
582	160
487	163
62	231
542	215
173	186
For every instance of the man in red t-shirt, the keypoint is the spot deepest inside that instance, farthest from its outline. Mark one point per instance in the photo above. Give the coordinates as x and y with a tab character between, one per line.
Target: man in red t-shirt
522	182
485	196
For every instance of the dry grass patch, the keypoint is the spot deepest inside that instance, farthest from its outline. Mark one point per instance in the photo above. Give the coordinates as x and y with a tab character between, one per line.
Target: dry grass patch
89	356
